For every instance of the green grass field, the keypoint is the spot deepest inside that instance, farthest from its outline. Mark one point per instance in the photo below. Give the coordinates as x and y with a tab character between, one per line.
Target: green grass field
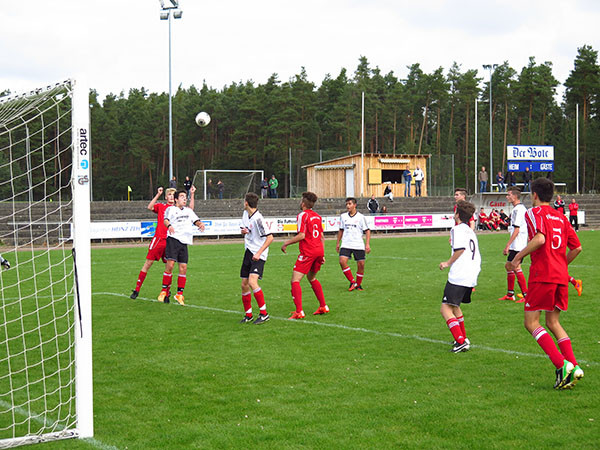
376	372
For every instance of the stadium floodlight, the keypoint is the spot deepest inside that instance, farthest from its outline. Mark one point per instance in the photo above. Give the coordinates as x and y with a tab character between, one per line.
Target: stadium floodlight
491	68
165	14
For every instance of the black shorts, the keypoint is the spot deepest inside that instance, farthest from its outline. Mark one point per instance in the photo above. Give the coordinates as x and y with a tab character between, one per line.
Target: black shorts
455	295
176	251
511	255
251	267
359	255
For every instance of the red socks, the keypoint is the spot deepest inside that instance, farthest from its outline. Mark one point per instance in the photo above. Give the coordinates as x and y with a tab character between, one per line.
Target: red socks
545	341
260	299
140	281
359	278
522	282
247	302
510	279
455	329
181	279
567	351
348	273
318	290
461	323
297	295
167	279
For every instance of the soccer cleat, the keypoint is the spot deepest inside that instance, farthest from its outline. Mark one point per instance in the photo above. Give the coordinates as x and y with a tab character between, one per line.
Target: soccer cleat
262	318
562	374
134	294
297	315
359	288
464	347
162	295
321	310
508	297
352	287
521	298
6	265
579	287
179	298
247	319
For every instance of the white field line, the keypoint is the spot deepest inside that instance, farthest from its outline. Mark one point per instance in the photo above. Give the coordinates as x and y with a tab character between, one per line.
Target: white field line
361	330
22	411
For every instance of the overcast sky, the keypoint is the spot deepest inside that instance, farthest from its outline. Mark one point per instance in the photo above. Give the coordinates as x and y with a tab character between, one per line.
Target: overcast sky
120	45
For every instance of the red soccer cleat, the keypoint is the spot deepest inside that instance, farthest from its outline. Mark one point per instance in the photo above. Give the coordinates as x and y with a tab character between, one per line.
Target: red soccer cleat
321	310
297	315
508	297
352	287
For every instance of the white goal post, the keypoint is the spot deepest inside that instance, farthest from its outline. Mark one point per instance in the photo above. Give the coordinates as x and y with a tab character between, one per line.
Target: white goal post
46	390
235	183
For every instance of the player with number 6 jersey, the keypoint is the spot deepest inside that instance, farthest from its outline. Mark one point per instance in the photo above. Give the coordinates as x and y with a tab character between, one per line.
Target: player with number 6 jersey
312	252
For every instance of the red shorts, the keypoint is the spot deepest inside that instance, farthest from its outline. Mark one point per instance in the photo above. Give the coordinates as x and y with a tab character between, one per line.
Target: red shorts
156	250
547	297
305	264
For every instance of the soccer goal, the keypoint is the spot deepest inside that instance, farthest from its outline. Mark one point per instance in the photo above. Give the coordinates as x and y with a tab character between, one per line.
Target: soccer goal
228	183
45	298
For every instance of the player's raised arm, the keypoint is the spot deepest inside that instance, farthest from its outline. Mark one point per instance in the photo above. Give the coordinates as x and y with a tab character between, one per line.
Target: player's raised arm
159	192
191	202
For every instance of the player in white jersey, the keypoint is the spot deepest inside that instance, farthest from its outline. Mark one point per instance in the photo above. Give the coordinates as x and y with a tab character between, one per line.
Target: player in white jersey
352	227
4	263
516	243
180	222
465	265
256	243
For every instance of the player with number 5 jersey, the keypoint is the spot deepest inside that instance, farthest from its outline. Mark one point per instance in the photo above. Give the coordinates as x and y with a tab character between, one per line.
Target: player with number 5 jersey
312	252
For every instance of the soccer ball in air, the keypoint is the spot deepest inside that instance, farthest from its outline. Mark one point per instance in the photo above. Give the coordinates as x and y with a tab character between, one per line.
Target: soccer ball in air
202	119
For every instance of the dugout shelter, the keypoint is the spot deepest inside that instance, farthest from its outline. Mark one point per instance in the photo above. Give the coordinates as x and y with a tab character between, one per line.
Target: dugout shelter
361	176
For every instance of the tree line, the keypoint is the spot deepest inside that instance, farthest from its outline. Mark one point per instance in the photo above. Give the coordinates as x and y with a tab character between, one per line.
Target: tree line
253	125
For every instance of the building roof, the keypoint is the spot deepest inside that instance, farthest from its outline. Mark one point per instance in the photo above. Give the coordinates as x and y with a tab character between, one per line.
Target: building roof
379	155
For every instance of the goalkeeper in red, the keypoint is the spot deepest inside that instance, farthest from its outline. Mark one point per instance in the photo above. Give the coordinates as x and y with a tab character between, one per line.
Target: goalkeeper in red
256	242
312	252
550	234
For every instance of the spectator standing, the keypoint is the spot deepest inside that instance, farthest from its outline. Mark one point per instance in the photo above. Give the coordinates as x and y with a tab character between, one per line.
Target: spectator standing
483	179
187	185
210	189
173	183
220	189
373	205
573	208
273	184
264	188
418	176
559	204
407	179
500	181
526	179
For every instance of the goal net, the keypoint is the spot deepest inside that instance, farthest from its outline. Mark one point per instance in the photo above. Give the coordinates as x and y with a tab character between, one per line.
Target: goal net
227	183
45	298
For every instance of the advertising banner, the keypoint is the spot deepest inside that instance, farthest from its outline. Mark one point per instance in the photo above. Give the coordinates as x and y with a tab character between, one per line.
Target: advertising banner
530	153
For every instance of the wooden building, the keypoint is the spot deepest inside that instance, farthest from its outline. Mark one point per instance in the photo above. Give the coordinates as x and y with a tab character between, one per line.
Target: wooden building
341	177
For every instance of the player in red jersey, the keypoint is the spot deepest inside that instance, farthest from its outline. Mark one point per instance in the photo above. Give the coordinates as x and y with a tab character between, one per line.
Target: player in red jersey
156	249
312	252
550	234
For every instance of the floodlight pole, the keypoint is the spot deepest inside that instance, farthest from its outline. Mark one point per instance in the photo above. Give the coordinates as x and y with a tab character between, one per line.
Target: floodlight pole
491	68
166	15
